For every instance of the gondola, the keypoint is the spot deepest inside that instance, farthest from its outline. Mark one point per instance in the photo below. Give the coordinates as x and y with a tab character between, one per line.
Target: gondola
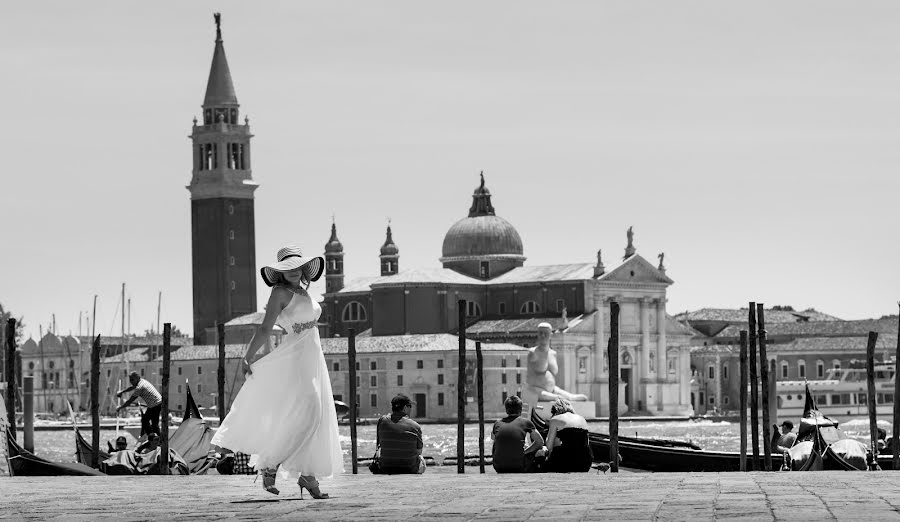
23	463
191	441
662	455
821	445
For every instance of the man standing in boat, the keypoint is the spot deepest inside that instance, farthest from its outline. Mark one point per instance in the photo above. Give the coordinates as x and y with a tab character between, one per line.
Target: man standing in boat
142	389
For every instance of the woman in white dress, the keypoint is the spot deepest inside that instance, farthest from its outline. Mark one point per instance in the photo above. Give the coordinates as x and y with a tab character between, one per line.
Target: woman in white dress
284	414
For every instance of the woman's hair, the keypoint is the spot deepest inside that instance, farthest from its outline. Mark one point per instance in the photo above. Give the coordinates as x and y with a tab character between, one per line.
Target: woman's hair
561	406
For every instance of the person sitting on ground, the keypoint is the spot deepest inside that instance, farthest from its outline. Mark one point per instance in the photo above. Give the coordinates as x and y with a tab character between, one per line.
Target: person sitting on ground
398	442
142	389
567	441
785	440
509	452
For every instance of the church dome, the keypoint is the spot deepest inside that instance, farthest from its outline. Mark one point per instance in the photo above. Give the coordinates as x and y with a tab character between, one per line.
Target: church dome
479	236
482	236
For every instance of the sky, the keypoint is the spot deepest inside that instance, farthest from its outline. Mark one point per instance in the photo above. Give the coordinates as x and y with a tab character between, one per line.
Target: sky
755	143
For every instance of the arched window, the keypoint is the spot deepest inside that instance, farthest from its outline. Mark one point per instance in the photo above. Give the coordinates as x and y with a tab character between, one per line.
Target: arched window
784	369
530	307
354	311
801	369
472	309
711	372
820	369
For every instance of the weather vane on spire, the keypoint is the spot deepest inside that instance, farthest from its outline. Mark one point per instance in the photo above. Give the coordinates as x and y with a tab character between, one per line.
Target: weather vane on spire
218	17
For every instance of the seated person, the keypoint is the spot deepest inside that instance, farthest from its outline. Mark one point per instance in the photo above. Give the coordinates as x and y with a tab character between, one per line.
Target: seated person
787	439
509	452
882	442
398	441
567	441
121	444
152	443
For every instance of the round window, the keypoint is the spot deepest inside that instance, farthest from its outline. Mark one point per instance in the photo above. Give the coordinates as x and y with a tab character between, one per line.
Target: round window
51	365
31	365
789	397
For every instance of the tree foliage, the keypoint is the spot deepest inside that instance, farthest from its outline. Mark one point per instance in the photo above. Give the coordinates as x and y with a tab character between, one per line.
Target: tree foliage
5	315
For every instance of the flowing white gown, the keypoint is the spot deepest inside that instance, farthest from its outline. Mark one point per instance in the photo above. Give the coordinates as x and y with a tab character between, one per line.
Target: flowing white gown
284	414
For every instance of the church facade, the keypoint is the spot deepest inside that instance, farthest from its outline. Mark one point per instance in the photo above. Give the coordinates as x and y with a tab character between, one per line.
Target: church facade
483	264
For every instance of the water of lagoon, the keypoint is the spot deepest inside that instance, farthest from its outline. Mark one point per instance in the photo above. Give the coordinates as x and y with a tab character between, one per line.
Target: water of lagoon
440	439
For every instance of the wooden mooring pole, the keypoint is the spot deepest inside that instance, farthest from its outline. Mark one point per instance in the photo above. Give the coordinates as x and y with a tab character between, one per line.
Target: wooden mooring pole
164	414
764	381
351	367
870	382
95	403
11	380
613	354
743	395
895	445
479	383
461	392
28	413
754	390
220	375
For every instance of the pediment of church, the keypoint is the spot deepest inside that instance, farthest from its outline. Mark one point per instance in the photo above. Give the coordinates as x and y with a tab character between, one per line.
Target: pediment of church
635	270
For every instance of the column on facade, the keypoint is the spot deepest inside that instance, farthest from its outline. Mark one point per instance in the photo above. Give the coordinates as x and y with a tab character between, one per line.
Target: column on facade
684	365
662	374
599	334
644	304
718	381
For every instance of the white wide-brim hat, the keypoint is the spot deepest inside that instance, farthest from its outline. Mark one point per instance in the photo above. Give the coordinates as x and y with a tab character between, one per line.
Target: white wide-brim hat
291	258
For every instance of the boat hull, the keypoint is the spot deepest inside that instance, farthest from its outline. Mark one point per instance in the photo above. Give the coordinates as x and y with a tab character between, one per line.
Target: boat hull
669	459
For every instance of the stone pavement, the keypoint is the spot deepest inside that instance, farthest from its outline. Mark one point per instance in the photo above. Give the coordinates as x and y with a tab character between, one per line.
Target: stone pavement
442	494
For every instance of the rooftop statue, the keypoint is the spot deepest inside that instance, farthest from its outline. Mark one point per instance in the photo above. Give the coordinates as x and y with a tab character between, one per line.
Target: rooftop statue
540	381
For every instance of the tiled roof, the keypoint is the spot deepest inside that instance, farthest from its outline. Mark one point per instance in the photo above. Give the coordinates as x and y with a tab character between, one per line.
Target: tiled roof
249	319
205	351
135	340
513	326
739	315
885	343
136	355
409	343
819	328
522	274
546	273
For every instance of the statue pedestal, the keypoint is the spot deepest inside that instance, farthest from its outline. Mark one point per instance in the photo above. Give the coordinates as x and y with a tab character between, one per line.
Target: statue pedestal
586	409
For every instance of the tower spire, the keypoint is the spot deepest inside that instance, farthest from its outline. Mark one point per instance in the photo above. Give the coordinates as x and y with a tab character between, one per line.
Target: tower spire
390	254
220	96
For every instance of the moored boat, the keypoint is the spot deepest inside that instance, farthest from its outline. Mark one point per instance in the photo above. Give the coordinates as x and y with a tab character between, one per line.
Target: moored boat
664	455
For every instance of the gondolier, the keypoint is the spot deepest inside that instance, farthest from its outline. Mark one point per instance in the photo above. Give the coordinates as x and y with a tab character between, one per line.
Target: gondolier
142	389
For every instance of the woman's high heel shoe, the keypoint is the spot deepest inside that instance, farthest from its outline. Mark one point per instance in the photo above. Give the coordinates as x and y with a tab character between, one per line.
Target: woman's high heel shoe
268	475
311	485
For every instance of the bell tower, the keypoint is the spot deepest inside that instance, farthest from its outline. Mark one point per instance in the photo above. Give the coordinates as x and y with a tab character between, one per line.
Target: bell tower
223	242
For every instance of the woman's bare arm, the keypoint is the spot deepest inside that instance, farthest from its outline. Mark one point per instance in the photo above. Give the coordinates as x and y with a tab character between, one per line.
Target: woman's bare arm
279	298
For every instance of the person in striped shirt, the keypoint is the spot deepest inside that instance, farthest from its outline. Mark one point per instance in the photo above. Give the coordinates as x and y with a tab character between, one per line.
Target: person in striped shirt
143	390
